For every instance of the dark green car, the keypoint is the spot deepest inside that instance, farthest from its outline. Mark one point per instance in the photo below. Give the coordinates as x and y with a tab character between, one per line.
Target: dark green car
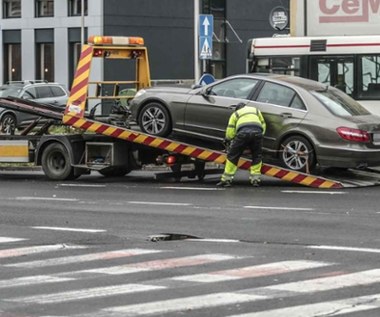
308	123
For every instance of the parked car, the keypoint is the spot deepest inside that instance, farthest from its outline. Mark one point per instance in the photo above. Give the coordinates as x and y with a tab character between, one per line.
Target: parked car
308	123
42	92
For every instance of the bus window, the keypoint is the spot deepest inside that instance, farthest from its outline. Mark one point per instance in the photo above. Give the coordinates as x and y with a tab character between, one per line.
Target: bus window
334	71
370	81
277	65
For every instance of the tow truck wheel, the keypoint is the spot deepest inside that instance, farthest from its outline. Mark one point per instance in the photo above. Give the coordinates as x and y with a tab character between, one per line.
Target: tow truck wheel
297	154
56	162
8	124
155	119
115	171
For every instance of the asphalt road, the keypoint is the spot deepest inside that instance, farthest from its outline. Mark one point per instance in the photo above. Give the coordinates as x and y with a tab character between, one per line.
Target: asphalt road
133	246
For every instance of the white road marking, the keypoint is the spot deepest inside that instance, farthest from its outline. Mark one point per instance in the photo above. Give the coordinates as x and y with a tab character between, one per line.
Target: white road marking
340	248
183	304
252	271
313	192
9	253
85	293
70	229
82	258
81	185
157	203
326	283
45	198
278	208
215	240
33	280
191	188
158	264
250	295
331	308
9	239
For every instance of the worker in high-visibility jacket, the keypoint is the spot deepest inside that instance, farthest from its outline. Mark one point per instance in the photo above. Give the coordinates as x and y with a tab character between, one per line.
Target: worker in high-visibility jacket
245	129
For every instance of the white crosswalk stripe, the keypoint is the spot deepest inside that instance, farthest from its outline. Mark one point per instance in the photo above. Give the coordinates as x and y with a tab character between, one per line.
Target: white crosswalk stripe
194	275
9	239
332	308
82	258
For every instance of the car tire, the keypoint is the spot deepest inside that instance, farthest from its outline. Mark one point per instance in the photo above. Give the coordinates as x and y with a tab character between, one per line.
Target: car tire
8	124
56	162
297	154
154	119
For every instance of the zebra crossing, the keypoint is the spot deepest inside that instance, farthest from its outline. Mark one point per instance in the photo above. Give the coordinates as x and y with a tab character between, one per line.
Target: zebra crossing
125	282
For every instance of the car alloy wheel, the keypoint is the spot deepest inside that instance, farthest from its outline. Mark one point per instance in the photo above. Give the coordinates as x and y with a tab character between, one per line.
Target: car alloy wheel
8	124
155	119
298	154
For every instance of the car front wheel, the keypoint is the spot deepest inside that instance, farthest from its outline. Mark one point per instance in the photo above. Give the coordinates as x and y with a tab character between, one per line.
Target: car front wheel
8	124
297	154
155	119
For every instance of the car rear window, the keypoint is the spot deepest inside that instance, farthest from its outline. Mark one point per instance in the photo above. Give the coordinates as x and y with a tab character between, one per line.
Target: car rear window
339	103
57	91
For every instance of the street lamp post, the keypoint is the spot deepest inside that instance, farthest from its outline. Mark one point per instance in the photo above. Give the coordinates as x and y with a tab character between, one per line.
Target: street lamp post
196	39
82	23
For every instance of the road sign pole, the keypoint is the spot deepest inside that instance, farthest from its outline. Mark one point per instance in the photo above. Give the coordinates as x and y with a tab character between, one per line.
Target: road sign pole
196	41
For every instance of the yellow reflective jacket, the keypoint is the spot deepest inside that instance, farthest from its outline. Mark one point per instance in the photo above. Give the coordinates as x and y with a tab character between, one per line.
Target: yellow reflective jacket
246	116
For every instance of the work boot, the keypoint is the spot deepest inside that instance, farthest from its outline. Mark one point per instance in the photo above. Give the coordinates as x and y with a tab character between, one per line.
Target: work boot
256	182
224	184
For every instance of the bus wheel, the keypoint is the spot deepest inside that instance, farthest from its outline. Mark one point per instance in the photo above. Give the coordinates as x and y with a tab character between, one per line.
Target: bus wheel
56	162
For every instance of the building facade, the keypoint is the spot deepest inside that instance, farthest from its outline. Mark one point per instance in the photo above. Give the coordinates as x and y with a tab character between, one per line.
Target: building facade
41	39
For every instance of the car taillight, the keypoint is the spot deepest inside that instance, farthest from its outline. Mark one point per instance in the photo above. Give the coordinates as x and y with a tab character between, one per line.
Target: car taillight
354	135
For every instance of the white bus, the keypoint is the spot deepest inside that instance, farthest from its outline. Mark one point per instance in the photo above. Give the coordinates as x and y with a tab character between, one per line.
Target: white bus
350	63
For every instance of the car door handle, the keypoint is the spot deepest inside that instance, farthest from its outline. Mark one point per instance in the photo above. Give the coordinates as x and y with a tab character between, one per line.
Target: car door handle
286	115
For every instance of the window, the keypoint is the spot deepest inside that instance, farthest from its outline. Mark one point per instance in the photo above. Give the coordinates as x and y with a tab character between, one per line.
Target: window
276	94
57	91
235	88
29	93
370	81
11	9
75	7
45	61
12	62
44	8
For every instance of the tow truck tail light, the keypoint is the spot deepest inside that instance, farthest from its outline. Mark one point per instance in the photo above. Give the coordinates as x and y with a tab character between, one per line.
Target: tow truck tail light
171	159
354	135
115	40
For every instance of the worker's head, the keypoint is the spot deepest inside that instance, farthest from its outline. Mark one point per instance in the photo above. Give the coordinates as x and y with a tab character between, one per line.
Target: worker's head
239	106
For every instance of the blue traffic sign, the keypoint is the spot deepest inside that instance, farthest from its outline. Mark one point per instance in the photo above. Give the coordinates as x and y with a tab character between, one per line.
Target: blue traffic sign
206	30
206	25
206	79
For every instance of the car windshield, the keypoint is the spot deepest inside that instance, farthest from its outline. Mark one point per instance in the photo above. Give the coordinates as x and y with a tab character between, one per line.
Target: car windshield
6	92
339	103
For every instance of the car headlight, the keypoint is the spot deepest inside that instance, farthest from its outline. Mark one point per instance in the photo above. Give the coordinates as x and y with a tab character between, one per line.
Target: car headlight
140	93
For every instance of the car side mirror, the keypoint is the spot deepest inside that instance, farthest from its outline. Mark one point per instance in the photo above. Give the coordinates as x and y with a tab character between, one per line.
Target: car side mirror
206	92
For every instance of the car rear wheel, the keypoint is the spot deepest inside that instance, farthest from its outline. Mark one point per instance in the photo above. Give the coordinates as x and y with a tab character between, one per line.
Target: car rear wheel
297	154
8	124
155	119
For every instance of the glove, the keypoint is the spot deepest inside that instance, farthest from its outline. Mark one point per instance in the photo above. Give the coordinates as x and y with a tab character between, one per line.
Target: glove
226	144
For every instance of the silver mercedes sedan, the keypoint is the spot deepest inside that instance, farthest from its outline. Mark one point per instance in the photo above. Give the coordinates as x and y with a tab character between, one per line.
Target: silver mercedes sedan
309	124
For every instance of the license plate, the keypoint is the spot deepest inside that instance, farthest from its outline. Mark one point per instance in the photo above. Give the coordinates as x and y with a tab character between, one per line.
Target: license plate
376	138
